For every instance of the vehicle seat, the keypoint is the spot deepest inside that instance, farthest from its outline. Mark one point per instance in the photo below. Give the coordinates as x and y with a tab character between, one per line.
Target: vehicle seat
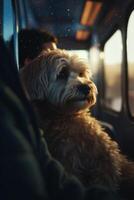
20	174
109	129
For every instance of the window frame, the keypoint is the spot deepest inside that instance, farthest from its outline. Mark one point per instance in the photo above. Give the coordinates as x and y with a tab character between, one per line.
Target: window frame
131	10
13	32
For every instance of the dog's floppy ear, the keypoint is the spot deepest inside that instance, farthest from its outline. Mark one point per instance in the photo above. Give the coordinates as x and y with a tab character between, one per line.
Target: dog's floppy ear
34	78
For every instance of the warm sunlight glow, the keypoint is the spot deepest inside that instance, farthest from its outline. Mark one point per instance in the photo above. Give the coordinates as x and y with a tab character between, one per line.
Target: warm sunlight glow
101	55
113	49
112	71
94	55
81	53
94	59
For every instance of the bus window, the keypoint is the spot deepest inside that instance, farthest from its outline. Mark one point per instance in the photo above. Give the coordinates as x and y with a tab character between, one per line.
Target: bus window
112	71
1	16
130	57
8	20
81	53
94	62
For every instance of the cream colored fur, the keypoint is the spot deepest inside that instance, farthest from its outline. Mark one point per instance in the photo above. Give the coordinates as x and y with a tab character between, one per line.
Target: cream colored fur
60	88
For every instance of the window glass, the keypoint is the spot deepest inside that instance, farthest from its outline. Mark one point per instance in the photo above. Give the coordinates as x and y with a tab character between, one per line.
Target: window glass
94	62
112	71
8	20
81	53
130	57
1	16
10	28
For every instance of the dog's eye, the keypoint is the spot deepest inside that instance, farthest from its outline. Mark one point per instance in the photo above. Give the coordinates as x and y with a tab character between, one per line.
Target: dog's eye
81	74
64	73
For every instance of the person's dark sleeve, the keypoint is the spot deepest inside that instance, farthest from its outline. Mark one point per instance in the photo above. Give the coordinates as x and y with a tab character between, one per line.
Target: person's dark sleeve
20	174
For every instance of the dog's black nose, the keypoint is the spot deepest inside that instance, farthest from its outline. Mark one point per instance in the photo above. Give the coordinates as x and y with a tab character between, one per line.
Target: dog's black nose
84	89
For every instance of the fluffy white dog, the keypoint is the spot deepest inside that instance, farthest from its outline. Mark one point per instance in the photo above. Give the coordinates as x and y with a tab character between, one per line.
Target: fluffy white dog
60	87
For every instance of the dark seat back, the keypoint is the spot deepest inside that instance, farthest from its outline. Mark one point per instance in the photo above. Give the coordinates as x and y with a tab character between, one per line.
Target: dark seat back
20	174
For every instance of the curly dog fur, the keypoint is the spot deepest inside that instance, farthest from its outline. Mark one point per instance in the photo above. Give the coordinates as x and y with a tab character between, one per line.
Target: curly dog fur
60	87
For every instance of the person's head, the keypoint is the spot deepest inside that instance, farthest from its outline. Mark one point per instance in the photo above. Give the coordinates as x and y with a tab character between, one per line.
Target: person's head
32	42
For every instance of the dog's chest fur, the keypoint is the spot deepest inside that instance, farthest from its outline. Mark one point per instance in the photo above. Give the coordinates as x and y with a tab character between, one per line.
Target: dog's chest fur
83	148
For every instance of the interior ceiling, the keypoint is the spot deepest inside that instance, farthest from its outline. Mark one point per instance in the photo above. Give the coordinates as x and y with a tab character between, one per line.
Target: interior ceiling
60	17
63	17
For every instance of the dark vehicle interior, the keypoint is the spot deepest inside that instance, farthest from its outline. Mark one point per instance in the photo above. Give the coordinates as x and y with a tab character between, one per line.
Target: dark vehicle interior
98	29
